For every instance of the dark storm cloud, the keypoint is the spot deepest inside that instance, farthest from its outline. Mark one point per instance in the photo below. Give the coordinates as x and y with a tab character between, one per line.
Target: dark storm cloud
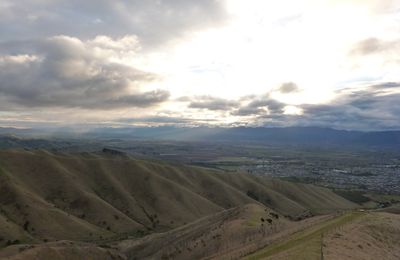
265	105
164	120
249	111
155	119
374	107
260	106
67	72
213	103
370	109
154	21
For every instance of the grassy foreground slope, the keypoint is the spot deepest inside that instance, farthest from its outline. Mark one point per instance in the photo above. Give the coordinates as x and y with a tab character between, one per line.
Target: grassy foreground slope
306	244
227	233
354	235
90	197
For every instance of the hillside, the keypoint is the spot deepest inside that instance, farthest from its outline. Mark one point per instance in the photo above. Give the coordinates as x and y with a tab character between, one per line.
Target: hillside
354	235
211	236
86	197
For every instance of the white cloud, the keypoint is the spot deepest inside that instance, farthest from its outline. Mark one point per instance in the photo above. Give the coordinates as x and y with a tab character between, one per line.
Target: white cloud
115	55
68	72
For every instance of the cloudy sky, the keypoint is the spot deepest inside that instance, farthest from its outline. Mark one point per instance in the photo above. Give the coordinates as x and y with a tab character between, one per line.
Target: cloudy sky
331	63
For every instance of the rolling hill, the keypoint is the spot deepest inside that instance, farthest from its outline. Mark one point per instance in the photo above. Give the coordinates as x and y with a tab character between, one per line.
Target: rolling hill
94	196
107	205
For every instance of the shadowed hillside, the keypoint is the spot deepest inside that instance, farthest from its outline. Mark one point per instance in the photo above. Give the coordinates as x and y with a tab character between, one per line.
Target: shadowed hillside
46	197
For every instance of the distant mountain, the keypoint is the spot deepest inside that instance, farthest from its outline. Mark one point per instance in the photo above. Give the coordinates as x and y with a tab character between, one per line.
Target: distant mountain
284	136
288	135
12	141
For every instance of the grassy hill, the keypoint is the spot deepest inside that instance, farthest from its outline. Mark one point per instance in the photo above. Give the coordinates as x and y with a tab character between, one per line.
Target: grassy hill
142	208
213	236
354	235
46	196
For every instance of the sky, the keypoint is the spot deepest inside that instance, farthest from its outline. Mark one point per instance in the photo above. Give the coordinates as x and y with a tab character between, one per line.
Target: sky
326	63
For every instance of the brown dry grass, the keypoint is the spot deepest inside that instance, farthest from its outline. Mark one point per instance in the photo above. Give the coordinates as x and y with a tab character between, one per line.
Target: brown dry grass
101	198
377	236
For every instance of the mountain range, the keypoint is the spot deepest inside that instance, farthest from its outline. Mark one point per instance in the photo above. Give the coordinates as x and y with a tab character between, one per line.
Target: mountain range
281	136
